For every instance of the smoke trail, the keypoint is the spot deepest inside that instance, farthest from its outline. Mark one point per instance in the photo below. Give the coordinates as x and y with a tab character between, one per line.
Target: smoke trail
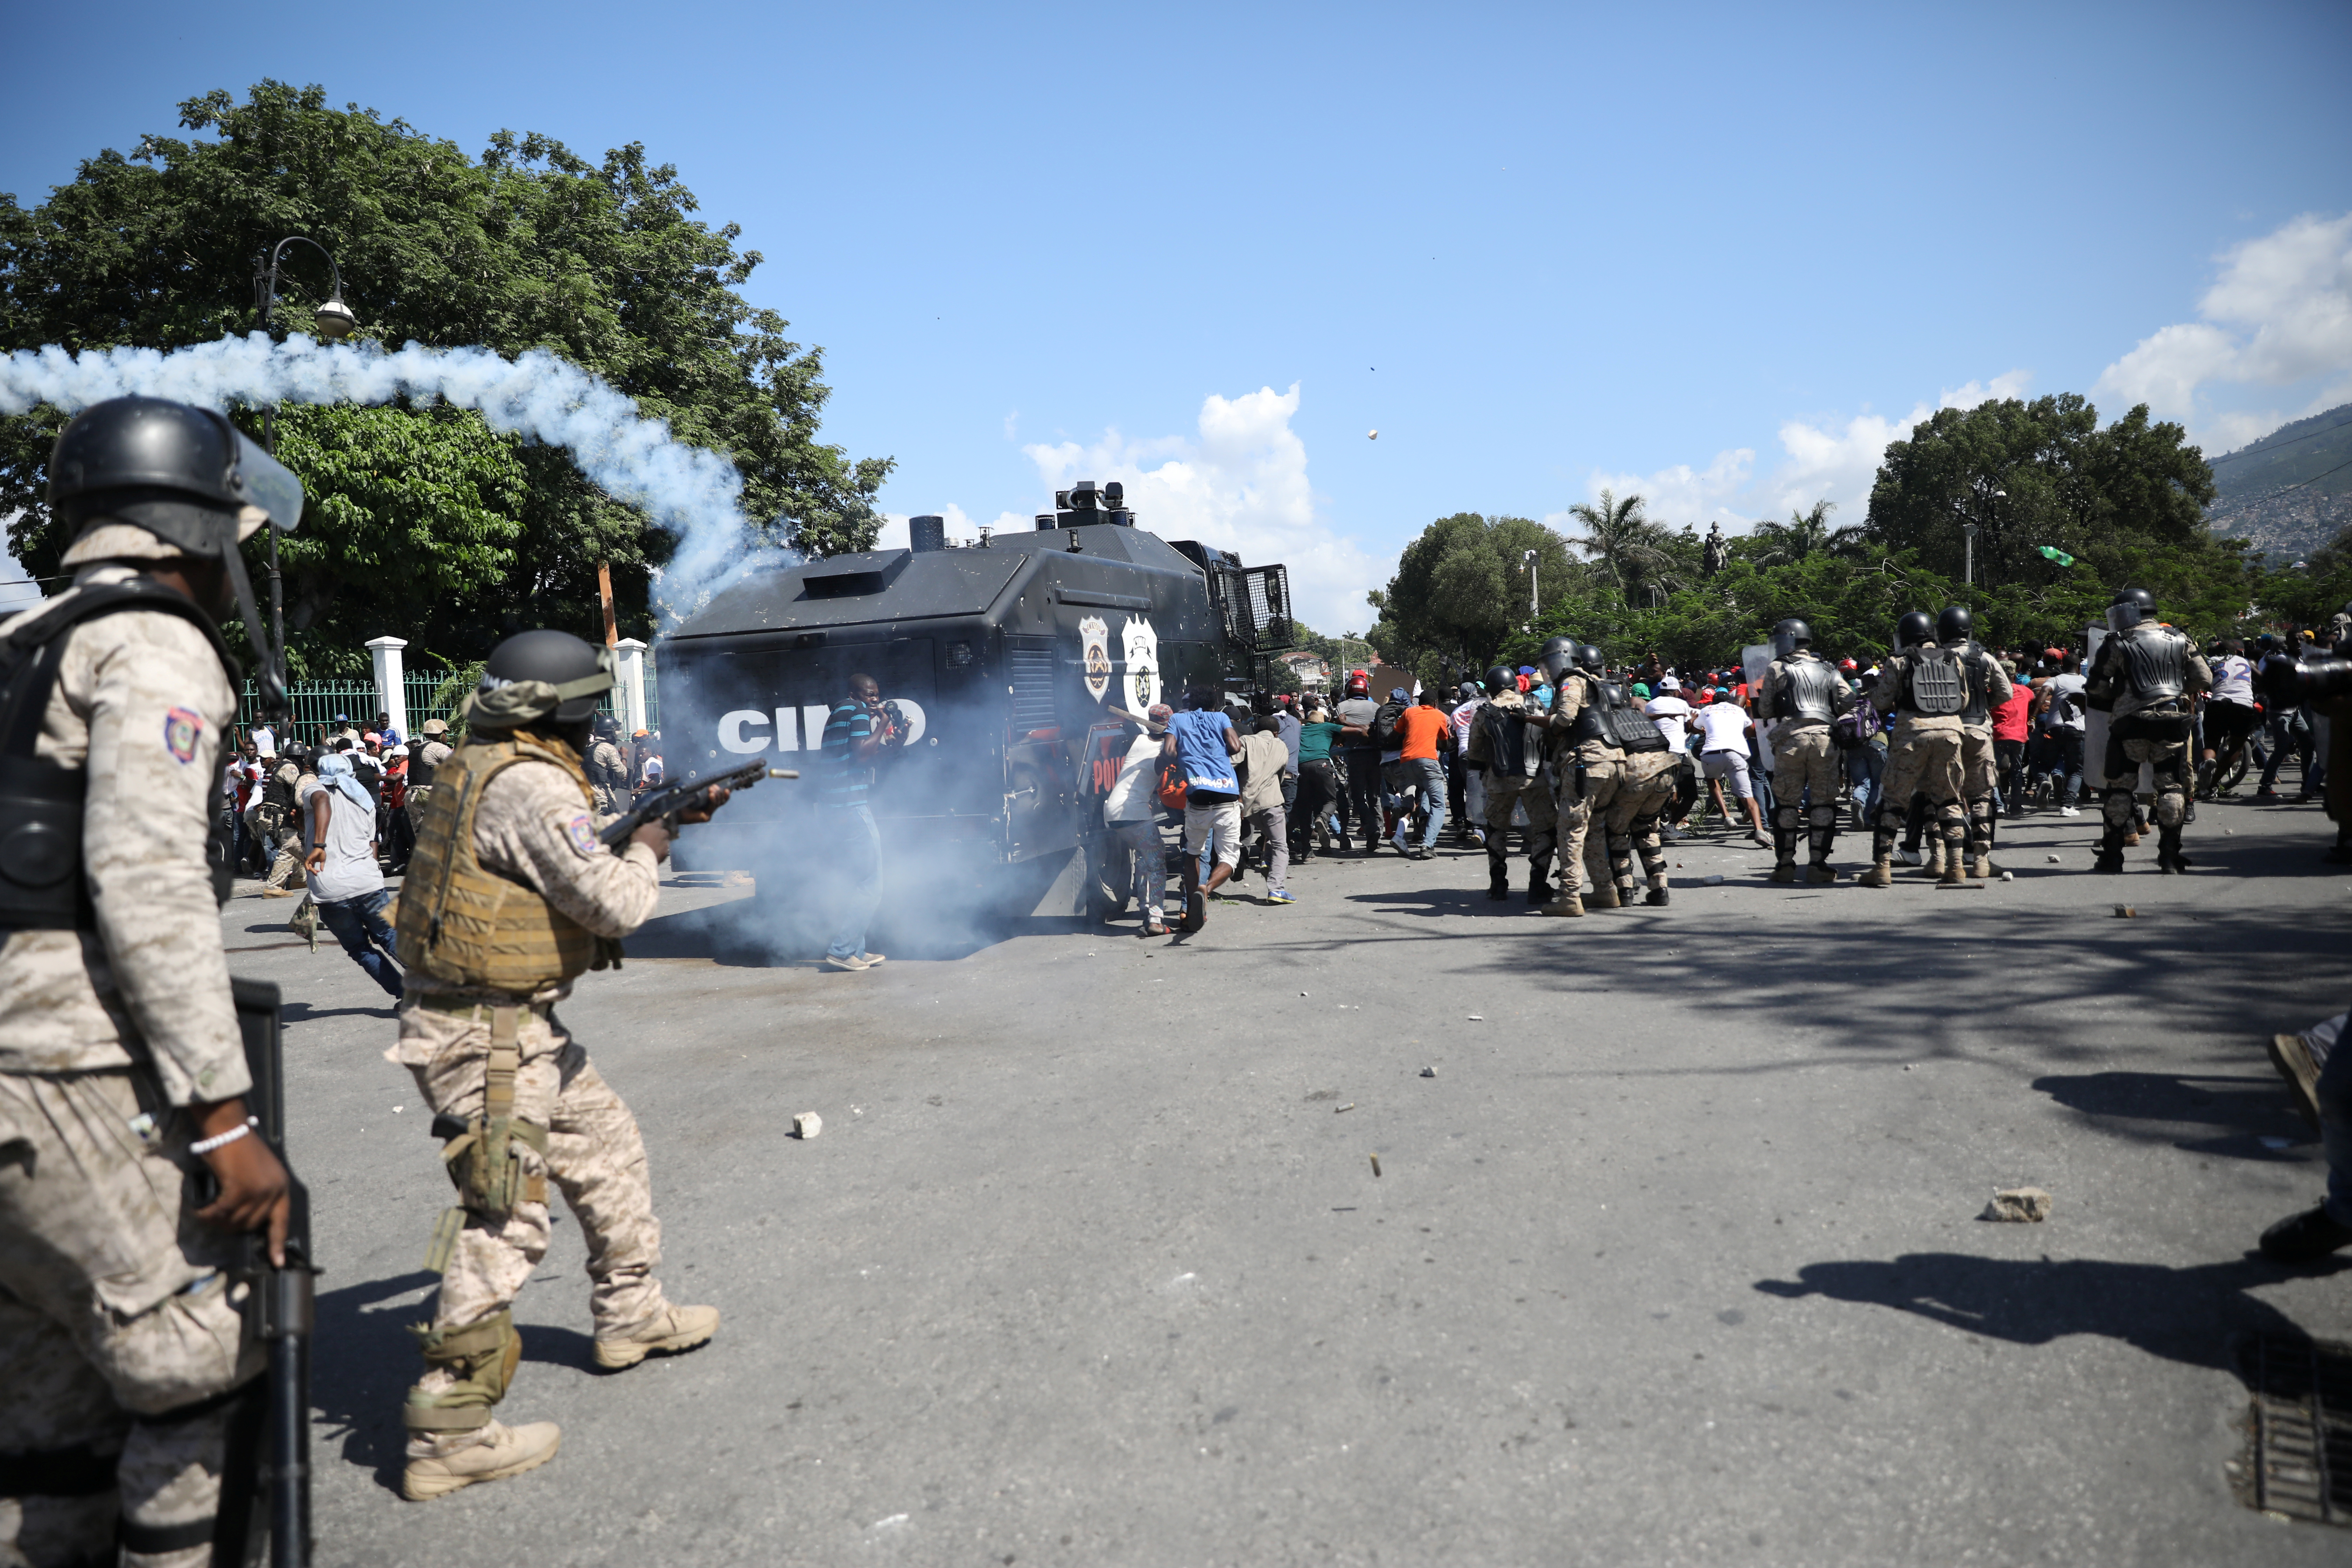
690	492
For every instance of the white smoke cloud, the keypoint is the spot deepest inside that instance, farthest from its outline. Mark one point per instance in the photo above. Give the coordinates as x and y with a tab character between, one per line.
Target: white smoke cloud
1238	483
2279	314
689	491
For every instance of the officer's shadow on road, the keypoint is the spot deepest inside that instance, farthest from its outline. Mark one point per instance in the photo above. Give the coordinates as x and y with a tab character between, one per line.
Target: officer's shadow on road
2236	1116
363	1363
2185	1315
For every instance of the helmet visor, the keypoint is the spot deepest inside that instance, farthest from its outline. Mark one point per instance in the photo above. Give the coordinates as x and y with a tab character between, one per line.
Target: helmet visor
262	481
1557	662
2122	617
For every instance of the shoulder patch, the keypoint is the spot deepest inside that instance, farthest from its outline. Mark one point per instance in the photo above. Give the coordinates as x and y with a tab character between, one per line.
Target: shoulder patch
582	831
183	731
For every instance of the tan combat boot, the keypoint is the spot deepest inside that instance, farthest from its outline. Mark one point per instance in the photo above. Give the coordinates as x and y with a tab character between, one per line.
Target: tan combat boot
1953	875
1880	874
1604	896
502	1451
677	1330
1980	867
1820	873
1785	872
1934	863
1569	902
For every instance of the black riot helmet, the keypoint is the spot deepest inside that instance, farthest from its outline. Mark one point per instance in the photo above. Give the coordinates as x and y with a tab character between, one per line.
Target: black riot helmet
1955	626
1912	629
1501	679
1558	657
184	474
1591	659
2129	607
572	674
187	476
1790	636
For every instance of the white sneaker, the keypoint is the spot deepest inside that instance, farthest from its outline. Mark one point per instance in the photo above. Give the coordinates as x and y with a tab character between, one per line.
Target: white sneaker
851	965
1909	857
2070	811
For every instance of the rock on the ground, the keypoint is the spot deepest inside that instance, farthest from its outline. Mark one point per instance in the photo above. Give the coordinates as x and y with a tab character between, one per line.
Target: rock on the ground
2019	1204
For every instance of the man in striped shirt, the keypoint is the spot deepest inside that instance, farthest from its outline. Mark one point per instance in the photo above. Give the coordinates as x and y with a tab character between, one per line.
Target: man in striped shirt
855	732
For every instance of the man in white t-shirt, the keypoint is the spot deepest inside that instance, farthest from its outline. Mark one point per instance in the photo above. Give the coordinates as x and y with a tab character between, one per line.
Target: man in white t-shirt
1131	811
344	876
1672	715
2231	716
1723	726
2063	714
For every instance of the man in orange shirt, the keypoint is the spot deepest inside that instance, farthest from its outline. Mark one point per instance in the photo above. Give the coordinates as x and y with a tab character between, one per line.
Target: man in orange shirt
1423	730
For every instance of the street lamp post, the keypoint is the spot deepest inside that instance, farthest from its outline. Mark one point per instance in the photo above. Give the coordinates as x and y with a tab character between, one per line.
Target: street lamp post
1531	558
334	320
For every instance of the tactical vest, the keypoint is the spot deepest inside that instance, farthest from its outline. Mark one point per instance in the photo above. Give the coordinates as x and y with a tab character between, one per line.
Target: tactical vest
464	925
1808	691
2155	669
1591	720
1507	739
1973	664
1935	686
420	772
41	803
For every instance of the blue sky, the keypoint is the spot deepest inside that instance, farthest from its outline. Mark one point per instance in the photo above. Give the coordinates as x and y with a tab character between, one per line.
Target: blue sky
1716	254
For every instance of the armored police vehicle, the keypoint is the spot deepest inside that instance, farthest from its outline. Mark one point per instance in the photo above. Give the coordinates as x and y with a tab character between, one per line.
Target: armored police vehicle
1000	660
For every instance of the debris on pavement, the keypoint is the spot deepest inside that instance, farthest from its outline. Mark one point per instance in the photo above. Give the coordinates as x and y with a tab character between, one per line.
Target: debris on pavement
2018	1205
2051	859
1336	1109
1429	1072
2009	876
807	1124
1376	1164
2125	912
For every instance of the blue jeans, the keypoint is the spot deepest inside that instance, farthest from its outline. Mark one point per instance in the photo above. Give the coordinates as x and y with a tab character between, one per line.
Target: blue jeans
856	875
359	924
2289	731
1863	765
2334	1093
1141	839
1425	777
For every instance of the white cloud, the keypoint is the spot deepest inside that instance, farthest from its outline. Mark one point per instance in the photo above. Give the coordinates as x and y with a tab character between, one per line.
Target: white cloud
1827	461
2280	314
1238	483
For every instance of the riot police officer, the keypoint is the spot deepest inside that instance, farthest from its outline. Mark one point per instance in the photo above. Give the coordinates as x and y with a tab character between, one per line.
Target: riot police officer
1506	745
608	776
1802	693
1925	690
1989	688
123	1323
2142	678
1613	772
510	897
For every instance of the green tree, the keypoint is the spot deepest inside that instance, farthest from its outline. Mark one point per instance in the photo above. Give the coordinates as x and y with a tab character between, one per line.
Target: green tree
1461	592
529	245
2045	473
1626	547
1805	534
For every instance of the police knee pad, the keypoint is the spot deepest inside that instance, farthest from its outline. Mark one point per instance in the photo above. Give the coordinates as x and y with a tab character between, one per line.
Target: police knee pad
1824	816
1788	817
2171	809
481	1358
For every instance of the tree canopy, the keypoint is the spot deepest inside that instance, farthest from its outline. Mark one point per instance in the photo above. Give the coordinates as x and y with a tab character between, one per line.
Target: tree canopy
422	521
1462	589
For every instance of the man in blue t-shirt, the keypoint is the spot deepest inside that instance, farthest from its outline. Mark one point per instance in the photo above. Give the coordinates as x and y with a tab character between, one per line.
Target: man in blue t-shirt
1203	742
854	735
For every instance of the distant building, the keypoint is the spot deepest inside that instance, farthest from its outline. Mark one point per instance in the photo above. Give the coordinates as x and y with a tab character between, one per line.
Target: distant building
1307	668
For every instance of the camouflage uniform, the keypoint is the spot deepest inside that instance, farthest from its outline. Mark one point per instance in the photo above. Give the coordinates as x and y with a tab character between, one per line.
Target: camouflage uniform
1923	757
531	827
118	1311
1805	762
1989	687
1644	789
433	753
609	777
1506	790
1588	776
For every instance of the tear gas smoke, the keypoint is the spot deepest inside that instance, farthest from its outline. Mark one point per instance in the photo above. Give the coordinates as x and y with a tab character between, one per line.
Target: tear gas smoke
692	493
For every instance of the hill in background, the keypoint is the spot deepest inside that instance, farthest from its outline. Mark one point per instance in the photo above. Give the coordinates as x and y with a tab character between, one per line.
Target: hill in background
2290	492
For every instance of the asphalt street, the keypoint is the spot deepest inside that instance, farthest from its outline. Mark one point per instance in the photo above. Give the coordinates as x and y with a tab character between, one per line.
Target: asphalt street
1675	1259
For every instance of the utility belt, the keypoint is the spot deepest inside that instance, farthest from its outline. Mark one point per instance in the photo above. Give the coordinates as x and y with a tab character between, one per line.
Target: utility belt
484	1156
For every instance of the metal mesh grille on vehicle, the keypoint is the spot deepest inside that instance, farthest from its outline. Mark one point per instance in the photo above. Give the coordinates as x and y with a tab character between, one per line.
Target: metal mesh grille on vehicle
1029	668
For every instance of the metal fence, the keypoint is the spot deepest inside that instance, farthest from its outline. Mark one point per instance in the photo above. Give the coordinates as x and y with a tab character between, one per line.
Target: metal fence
316	702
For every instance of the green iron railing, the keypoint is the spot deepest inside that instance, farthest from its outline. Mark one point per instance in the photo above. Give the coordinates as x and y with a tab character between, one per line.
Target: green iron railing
316	702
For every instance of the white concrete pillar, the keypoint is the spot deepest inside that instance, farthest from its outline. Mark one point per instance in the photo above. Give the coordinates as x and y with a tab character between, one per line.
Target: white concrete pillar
391	688
631	670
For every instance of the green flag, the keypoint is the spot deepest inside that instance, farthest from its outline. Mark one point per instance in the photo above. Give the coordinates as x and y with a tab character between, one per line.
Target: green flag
2054	554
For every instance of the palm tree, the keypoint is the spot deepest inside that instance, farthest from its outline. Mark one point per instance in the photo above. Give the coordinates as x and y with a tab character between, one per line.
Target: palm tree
1805	534
1624	543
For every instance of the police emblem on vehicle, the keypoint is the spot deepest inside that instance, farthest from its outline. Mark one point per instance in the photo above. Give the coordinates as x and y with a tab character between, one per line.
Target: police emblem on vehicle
181	732
1094	636
1142	648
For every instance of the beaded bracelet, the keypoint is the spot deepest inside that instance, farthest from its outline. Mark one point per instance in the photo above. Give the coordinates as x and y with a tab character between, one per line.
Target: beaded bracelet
221	1140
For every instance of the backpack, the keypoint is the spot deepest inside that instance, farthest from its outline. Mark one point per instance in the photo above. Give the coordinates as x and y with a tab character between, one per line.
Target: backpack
1384	733
1854	729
